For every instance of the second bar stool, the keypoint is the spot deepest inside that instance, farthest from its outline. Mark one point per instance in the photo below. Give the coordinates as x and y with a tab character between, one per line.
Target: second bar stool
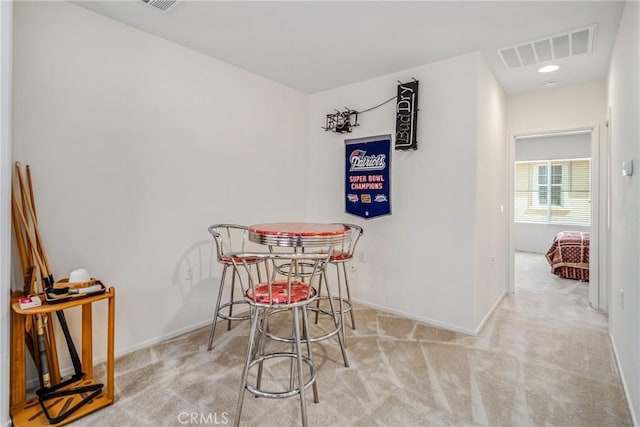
341	256
228	238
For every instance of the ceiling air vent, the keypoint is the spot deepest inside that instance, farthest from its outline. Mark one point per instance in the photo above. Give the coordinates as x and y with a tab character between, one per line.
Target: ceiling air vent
163	5
557	46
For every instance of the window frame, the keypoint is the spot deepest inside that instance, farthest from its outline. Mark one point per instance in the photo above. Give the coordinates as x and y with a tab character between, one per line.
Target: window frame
546	189
548	206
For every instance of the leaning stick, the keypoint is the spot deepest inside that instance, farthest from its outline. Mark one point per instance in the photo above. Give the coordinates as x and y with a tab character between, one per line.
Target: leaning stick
50	337
31	196
46	267
44	366
28	275
23	199
23	247
44	362
43	263
30	238
25	262
22	250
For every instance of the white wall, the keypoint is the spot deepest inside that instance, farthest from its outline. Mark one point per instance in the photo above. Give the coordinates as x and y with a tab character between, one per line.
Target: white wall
549	110
6	14
623	99
136	146
420	260
538	237
491	195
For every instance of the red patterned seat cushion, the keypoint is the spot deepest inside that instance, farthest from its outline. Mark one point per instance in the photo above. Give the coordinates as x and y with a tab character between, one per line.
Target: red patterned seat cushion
227	260
279	294
340	256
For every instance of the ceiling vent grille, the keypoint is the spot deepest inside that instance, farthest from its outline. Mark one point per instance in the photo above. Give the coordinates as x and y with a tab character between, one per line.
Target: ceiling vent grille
163	5
557	46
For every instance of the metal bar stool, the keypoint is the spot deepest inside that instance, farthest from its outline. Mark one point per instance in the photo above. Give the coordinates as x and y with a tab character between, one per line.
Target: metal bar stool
228	238
340	257
292	293
303	271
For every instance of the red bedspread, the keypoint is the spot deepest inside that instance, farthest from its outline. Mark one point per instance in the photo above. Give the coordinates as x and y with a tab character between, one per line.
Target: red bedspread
569	255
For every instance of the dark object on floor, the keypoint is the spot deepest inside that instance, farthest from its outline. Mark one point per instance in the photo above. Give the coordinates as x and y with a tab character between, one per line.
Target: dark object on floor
569	255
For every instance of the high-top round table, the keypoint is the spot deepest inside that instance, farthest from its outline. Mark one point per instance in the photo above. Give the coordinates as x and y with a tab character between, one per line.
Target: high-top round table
298	234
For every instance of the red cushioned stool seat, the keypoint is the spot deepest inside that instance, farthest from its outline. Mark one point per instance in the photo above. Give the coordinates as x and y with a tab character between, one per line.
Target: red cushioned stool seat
225	259
279	292
340	256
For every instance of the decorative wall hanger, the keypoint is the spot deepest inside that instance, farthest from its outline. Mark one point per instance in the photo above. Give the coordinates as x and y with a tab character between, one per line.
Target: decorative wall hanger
406	116
342	121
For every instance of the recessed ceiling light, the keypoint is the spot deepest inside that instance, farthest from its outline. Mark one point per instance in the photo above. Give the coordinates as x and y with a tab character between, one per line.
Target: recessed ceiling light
548	69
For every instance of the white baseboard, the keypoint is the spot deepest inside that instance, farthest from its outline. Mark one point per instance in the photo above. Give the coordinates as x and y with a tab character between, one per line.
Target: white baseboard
489	313
431	322
436	323
634	420
158	339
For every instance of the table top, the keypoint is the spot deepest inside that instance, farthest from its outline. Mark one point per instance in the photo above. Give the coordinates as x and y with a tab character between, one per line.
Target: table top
298	234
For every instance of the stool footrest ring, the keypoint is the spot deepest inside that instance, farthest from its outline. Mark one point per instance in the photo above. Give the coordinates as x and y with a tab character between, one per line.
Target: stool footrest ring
290	340
283	269
220	315
281	394
325	311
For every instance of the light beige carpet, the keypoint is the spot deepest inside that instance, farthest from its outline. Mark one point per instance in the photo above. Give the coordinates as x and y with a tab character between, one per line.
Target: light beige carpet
543	359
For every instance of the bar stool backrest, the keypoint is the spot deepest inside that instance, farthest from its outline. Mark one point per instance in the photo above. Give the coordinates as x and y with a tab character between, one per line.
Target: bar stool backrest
295	285
229	238
344	252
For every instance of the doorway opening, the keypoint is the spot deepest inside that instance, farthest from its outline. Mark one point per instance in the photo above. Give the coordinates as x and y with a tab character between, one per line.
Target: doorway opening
554	212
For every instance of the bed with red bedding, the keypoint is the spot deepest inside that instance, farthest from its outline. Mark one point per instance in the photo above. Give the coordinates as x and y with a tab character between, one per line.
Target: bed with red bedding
569	255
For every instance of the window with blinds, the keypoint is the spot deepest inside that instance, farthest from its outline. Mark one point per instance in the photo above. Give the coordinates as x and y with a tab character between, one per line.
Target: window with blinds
553	192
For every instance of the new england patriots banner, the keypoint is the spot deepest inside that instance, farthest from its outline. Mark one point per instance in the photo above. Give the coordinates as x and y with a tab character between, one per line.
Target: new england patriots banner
367	183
